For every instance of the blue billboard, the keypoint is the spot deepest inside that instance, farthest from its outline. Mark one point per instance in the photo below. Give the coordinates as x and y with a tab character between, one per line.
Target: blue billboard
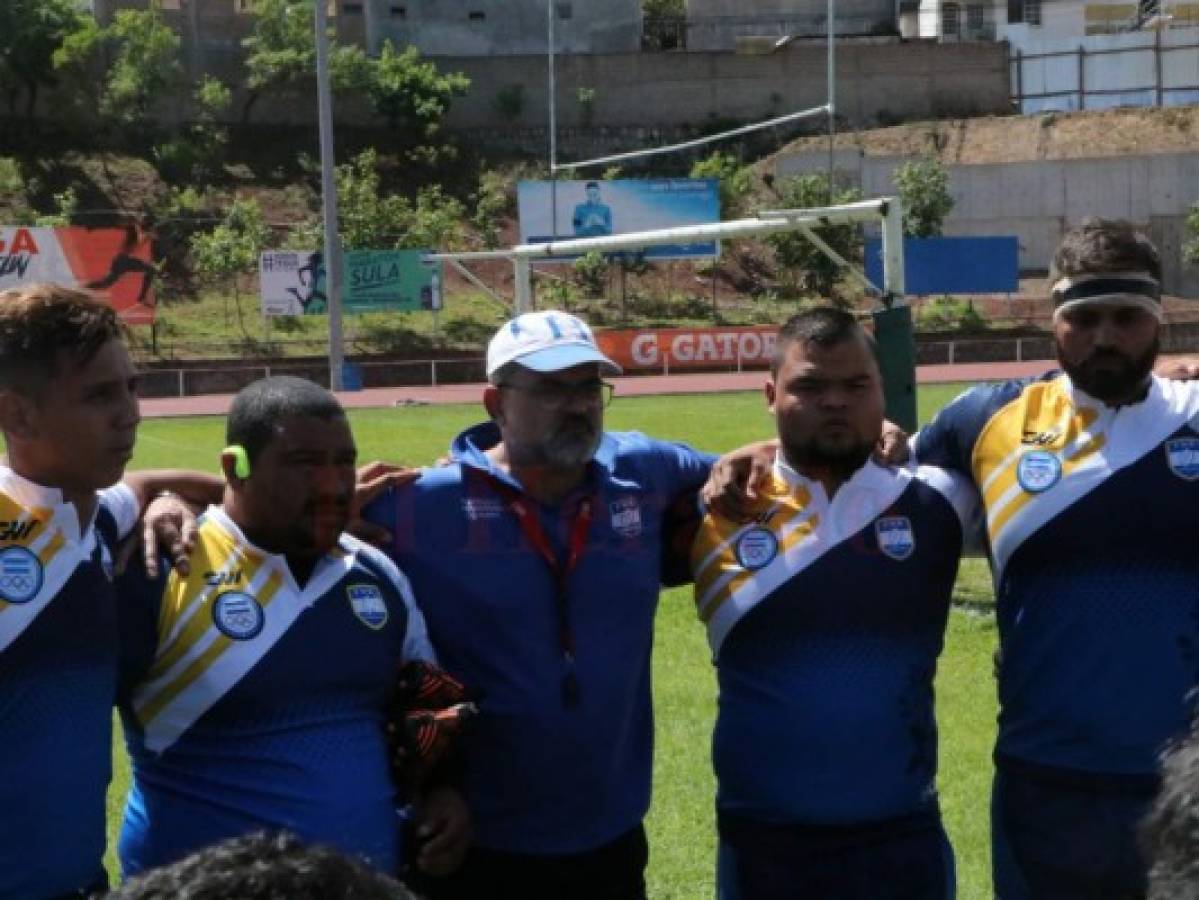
952	265
565	210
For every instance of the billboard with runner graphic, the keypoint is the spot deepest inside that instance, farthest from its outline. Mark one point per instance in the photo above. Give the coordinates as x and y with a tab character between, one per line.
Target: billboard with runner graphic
113	262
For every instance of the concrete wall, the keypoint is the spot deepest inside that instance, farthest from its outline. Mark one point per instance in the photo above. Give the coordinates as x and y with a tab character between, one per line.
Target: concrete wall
877	80
1038	201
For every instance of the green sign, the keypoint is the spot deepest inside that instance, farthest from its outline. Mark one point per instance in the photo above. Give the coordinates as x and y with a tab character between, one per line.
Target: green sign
378	280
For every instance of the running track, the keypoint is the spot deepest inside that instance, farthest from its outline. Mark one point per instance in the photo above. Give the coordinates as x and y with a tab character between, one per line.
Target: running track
634	386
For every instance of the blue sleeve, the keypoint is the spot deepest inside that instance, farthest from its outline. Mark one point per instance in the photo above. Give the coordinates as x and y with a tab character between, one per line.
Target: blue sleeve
139	599
688	469
948	440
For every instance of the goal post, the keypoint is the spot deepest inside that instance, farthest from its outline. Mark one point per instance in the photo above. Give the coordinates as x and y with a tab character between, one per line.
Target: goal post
892	319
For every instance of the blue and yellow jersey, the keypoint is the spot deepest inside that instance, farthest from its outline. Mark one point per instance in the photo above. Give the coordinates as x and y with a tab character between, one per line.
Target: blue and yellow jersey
825	620
58	672
251	702
1090	521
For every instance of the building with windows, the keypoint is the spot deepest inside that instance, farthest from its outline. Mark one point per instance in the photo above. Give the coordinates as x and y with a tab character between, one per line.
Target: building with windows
435	27
755	25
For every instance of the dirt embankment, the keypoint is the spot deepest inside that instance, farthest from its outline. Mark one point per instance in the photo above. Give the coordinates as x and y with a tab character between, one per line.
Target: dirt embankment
1050	136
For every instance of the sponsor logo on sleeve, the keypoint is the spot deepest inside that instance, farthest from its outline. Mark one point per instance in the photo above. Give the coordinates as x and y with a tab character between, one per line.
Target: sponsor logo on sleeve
367	602
238	615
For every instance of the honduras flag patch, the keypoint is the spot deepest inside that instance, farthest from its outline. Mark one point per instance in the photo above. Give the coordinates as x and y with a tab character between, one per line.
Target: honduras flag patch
367	602
1183	456
895	537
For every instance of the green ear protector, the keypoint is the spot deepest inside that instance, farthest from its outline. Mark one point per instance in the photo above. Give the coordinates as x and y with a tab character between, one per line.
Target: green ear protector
241	462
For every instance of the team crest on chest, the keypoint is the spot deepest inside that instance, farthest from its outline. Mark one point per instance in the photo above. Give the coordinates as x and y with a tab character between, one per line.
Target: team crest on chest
757	548
626	516
20	575
895	537
238	615
367	602
1038	470
1183	456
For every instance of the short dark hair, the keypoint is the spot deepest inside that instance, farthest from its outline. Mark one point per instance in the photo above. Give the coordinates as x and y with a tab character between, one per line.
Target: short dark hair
824	326
259	407
591	184
264	866
1105	245
40	321
1170	832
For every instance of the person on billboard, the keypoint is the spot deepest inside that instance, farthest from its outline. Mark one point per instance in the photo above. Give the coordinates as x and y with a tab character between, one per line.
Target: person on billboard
125	263
592	218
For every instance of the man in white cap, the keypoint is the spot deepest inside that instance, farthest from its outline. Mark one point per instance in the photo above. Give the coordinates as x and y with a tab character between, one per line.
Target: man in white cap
1090	479
538	554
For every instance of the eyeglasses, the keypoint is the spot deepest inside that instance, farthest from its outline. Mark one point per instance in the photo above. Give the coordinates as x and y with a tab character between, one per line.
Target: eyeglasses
558	394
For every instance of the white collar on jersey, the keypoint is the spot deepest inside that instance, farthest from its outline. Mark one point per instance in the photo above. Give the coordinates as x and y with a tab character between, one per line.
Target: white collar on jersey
30	494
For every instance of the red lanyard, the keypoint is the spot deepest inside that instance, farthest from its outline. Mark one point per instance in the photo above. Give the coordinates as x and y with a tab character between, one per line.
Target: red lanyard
530	523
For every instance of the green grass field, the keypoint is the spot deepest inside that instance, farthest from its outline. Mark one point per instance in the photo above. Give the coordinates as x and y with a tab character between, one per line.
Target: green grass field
681	821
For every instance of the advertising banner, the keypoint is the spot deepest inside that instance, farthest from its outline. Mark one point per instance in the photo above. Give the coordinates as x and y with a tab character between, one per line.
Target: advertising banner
564	210
115	263
293	282
748	347
391	279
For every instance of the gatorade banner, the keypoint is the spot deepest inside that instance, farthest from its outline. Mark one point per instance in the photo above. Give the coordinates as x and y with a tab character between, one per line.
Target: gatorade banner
115	263
749	347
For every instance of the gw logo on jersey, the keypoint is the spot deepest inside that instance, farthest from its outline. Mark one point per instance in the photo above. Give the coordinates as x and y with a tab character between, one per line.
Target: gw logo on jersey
1183	456
895	537
216	579
367	602
16	530
238	615
20	575
1040	438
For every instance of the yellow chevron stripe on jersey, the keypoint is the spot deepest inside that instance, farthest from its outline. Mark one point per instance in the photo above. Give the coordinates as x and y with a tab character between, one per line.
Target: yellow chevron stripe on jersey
790	523
34	530
204	648
1043	417
798	524
185	617
1084	441
168	688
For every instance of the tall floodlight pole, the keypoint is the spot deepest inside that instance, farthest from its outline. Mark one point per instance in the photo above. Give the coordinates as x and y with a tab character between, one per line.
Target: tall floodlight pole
553	117
832	93
329	197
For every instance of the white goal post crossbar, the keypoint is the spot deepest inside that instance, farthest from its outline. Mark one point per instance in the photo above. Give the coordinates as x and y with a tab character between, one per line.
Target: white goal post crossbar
885	209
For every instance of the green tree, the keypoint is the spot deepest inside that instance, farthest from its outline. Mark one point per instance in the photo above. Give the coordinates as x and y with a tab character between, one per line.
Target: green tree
143	63
806	267
280	49
372	219
659	8
30	33
923	186
1190	250
411	93
231	249
736	180
198	153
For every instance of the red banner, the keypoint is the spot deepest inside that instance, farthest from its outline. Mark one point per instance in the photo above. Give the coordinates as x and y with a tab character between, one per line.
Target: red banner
748	347
113	262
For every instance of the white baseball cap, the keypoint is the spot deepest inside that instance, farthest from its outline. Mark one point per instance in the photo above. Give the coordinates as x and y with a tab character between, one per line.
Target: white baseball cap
546	341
